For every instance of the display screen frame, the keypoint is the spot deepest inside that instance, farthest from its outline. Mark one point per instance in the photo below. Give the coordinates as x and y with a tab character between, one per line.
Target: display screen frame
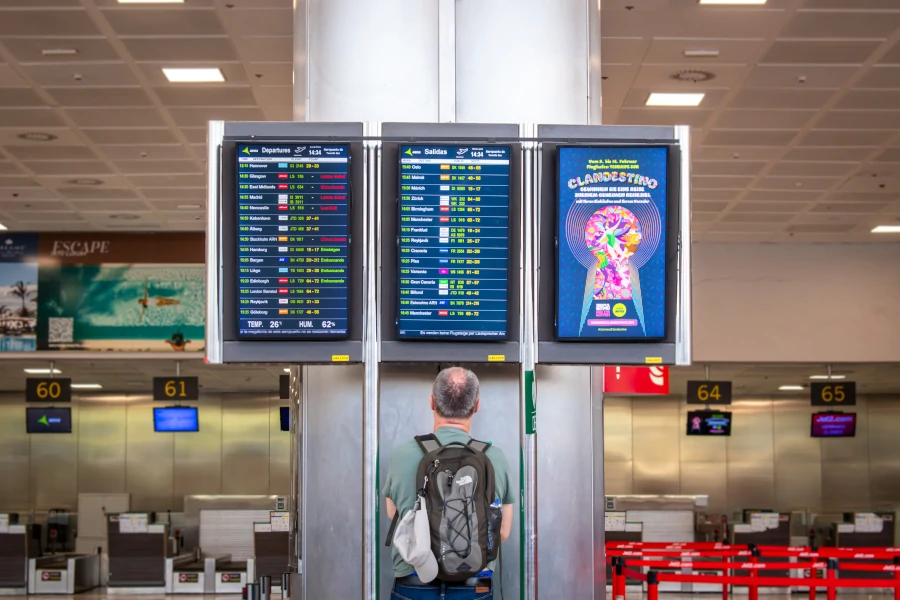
670	246
394	136
284	417
30	422
223	284
158	411
812	425
317	337
705	414
509	248
676	346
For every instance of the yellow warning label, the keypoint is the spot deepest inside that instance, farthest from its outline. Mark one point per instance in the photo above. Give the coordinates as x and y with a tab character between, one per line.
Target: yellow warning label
340	358
496	358
653	360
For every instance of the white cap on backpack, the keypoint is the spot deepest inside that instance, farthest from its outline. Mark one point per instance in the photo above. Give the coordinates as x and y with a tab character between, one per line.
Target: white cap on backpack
413	542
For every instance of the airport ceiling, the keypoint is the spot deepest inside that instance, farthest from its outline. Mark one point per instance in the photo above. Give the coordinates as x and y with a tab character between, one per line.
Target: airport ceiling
130	376
796	139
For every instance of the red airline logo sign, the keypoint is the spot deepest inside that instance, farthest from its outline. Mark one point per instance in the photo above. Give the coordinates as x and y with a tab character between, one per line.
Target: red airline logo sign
636	380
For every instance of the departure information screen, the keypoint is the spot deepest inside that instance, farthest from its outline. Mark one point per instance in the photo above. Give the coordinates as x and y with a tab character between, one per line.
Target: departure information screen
454	242
293	255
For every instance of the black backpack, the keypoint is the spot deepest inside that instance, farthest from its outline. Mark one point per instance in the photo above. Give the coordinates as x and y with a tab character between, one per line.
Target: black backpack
464	511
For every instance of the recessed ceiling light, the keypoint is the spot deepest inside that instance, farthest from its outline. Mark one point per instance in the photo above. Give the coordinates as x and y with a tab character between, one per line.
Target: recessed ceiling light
86	386
693	76
887	229
287	370
59	52
188	206
791	388
178	75
733	2
658	99
42	371
827	377
699	53
85	181
36	136
3	227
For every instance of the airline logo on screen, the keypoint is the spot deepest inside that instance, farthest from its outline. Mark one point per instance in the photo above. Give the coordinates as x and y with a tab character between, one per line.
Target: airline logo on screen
636	380
47	421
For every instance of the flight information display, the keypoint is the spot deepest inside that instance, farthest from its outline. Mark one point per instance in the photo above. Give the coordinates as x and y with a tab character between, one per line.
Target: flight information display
611	230
293	235
454	242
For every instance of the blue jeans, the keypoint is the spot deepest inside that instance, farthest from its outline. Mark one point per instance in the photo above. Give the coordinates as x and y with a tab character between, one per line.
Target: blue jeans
441	591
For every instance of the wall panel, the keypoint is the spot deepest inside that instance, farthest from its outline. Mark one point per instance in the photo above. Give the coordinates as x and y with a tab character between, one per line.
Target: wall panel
245	444
15	453
845	467
279	450
751	469
656	434
798	457
54	469
149	457
884	451
101	430
197	458
704	463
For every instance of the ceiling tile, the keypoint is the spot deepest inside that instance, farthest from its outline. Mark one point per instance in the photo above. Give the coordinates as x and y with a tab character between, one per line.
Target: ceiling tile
32	193
30	216
733	167
726	137
131	136
171	206
197	117
28	50
190	195
9	168
737	153
889	155
826	137
260	22
850	197
692	23
90	97
116	117
704	195
33	205
870	99
766	119
623	50
31	117
702	217
63	182
821	228
860	119
794	195
851	4
76	168
272	73
19	97
699	182
881	77
265	48
51	152
663	116
751	218
766	227
146	152
841	24
781	98
199	96
708	207
734	52
47	22
195	135
181	50
60	75
871	185
820	52
17	182
789	76
849	207
158	167
275	96
793	183
846	153
770	207
9	78
109	205
170	181
41	4
811	169
96	193
160	21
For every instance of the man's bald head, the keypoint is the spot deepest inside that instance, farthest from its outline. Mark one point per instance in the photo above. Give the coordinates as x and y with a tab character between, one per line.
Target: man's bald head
455	393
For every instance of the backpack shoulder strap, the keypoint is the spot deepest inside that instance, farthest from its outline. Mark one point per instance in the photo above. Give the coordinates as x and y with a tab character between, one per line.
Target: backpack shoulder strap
478	446
428	443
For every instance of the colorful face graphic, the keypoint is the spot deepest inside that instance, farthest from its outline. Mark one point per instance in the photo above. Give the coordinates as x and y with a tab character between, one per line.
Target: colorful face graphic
613	234
695	423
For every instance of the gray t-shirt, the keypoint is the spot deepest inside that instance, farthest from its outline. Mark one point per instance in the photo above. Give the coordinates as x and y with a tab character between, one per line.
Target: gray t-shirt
400	484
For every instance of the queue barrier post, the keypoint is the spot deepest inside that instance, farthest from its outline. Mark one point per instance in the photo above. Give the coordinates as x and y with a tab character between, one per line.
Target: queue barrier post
897	578
614	584
813	573
753	589
725	575
832	577
652	586
620	579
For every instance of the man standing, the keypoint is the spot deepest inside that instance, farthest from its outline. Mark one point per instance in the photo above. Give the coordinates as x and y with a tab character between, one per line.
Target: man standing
454	401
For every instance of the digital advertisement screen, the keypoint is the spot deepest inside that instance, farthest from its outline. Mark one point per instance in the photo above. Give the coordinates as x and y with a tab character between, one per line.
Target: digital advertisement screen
454	243
611	257
293	235
704	422
48	420
830	424
285	418
176	419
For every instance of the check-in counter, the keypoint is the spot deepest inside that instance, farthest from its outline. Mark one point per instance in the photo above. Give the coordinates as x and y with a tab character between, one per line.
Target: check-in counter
63	574
16	547
137	559
228	576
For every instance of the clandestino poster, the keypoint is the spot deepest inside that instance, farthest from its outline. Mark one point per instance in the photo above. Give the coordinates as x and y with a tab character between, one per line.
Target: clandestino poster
611	228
